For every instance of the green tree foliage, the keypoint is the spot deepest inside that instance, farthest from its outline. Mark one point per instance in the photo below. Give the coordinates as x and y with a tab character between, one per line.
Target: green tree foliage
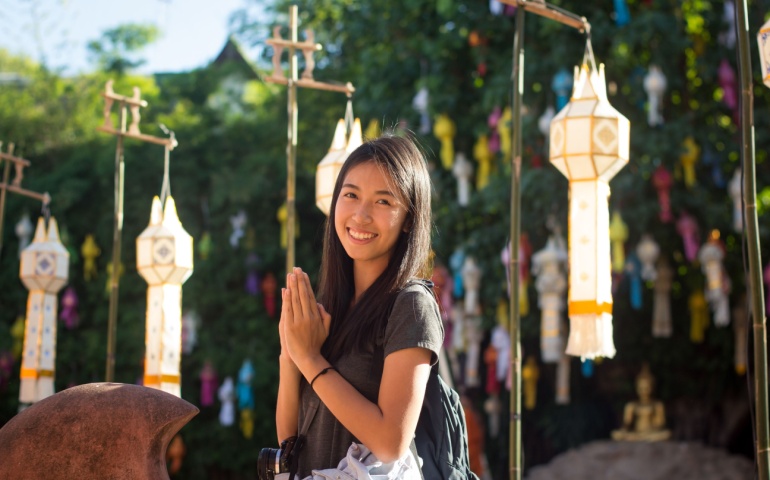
462	53
115	51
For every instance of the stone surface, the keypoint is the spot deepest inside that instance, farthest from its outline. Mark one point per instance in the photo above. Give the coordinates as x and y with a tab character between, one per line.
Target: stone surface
95	431
606	459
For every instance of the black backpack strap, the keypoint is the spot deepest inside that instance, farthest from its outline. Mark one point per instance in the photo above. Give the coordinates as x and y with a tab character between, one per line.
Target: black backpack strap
413	449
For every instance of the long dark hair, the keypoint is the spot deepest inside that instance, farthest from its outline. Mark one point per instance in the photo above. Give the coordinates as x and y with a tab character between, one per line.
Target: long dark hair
358	328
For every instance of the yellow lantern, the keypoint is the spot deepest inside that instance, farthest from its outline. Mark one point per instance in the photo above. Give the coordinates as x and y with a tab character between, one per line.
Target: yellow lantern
329	167
589	144
44	271
164	258
763	38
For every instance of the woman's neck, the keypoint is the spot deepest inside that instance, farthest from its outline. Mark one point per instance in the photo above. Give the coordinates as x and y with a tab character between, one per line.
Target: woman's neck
364	275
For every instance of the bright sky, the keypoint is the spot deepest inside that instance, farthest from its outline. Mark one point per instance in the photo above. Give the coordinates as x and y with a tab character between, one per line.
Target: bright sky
57	31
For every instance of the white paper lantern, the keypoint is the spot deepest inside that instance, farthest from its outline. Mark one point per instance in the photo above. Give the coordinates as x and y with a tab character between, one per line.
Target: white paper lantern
44	271
329	167
589	145
164	257
763	38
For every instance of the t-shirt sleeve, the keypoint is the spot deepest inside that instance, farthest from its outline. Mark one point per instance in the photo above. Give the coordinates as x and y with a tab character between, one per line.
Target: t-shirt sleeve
414	322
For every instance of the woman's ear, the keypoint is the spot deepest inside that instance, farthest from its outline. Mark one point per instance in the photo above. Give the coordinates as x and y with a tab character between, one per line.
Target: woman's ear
407	225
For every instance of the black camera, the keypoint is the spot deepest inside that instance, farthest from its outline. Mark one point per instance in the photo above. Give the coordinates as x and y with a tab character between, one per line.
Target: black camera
272	461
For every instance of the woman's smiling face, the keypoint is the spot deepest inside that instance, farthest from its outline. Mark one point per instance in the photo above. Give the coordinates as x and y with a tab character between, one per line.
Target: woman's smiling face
369	216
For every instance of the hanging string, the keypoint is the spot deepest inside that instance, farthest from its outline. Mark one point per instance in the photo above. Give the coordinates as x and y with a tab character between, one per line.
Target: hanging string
165	189
588	55
349	118
45	210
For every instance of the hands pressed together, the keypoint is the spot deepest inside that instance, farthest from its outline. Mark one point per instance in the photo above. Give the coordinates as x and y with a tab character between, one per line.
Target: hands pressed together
304	323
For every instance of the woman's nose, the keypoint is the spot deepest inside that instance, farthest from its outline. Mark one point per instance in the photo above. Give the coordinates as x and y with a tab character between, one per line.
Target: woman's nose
362	214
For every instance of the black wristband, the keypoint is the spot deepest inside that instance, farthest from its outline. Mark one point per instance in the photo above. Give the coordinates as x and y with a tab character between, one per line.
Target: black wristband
319	374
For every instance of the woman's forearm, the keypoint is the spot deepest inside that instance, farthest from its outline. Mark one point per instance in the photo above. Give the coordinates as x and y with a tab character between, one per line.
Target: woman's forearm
386	427
287	408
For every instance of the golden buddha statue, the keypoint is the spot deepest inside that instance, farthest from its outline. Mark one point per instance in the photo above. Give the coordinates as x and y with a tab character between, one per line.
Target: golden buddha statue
644	420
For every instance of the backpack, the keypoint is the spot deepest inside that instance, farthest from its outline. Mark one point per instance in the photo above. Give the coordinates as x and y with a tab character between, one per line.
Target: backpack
441	436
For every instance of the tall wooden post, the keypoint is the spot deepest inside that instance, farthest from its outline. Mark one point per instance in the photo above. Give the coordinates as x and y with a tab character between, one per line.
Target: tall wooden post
308	47
514	320
133	103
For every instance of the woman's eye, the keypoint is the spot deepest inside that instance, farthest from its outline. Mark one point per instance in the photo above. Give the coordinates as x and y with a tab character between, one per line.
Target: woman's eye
349	195
383	202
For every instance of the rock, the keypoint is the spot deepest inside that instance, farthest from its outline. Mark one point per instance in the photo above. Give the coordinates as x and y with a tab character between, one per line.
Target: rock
610	460
95	431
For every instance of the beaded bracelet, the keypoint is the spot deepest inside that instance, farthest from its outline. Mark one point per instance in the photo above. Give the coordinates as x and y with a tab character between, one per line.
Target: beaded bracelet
321	373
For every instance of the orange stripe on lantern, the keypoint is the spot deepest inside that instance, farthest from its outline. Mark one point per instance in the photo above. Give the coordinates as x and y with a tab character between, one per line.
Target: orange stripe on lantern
28	373
154	379
589	307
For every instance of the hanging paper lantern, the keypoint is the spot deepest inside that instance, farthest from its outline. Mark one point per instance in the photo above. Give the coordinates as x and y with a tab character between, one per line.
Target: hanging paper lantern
164	258
549	265
661	309
562	380
175	454
462	170
226	394
717	281
472	281
90	251
687	227
373	130
562	86
23	230
633	273
190	323
728	37
618	237
473	334
525	255
204	246
529	375
238	222
44	271
329	167
69	308
504	131
17	333
729	83
622	14
648	251
763	39
766	276
420	103
208	377
494	136
736	193
544	122
444	130
269	287
655	86
589	144
456	261
483	156
688	159
740	326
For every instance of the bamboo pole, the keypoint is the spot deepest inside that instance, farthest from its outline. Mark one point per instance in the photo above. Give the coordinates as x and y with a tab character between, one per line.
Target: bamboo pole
515	457
292	82
752	240
291	153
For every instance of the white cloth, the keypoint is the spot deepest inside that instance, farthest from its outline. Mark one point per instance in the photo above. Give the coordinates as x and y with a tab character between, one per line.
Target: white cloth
361	464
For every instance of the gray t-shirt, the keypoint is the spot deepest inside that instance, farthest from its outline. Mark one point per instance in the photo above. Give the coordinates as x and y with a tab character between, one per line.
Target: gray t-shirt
414	322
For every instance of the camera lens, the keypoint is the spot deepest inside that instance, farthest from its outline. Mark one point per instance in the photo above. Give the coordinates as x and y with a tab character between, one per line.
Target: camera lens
268	463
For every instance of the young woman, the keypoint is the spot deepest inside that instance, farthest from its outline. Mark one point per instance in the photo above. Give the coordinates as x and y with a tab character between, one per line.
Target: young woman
378	330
